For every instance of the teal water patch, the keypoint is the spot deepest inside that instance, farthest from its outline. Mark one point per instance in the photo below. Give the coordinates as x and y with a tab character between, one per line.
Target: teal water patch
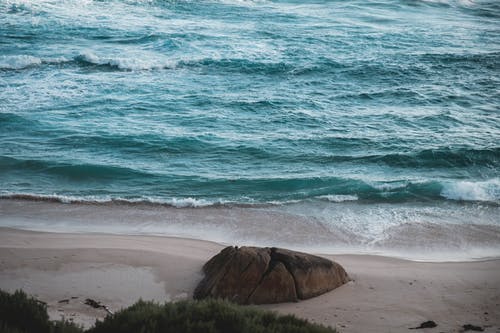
250	102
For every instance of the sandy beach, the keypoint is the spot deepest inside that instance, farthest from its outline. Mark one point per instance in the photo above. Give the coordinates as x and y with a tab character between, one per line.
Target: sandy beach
386	294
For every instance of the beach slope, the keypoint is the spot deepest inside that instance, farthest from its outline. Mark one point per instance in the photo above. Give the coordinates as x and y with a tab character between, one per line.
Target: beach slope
386	294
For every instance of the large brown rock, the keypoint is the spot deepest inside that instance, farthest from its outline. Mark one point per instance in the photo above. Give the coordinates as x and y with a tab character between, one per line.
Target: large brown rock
234	273
313	275
251	275
276	286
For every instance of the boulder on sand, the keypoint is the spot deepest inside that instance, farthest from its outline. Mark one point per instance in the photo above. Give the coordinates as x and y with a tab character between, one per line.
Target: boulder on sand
253	275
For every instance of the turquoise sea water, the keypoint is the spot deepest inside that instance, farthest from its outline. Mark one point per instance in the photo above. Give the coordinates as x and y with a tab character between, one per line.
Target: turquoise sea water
235	102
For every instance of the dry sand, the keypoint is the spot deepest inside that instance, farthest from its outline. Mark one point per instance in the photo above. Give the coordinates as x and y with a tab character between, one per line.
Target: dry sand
386	294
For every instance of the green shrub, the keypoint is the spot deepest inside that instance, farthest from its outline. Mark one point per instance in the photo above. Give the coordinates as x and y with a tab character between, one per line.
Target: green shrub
206	316
22	314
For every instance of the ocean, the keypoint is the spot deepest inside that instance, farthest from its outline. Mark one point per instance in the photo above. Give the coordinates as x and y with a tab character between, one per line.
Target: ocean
353	126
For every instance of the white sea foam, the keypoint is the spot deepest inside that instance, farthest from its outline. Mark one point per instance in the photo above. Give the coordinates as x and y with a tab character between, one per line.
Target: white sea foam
25	61
174	202
18	61
452	2
244	3
339	197
131	62
472	191
189	202
55	197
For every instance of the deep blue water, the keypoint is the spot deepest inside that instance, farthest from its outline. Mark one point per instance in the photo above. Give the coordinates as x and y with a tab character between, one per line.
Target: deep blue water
200	102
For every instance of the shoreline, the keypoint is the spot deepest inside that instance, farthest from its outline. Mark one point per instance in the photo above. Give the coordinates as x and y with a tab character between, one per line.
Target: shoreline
420	233
224	244
386	294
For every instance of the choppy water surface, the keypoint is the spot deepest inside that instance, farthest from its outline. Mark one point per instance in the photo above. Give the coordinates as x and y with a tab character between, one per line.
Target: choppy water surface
323	104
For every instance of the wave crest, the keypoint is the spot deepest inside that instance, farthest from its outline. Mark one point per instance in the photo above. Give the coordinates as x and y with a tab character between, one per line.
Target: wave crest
19	61
121	63
23	61
339	197
188	202
472	191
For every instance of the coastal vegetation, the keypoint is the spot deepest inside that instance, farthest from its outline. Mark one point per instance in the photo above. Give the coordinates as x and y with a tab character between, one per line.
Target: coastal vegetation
20	313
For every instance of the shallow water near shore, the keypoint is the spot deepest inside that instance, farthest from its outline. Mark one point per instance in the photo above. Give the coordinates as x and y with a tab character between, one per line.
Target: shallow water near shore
453	232
344	126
